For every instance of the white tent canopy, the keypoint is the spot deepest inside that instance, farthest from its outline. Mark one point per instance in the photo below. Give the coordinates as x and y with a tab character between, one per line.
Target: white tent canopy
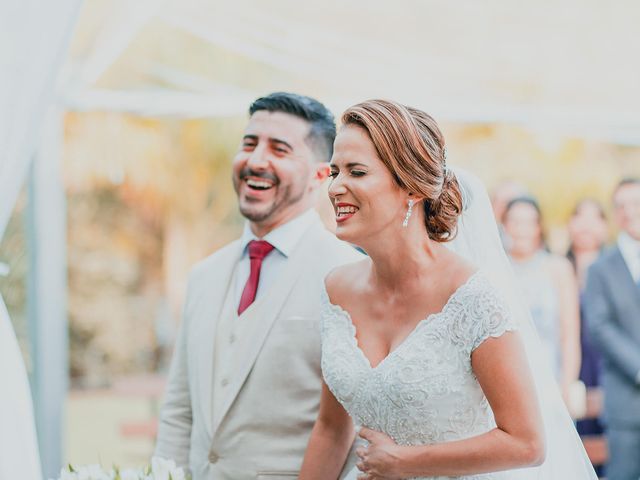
573	67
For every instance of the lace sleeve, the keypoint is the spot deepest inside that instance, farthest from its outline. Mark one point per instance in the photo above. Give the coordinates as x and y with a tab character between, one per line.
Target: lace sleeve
491	317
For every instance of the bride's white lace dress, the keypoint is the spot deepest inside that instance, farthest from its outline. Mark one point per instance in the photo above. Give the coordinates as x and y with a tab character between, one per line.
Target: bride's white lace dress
424	391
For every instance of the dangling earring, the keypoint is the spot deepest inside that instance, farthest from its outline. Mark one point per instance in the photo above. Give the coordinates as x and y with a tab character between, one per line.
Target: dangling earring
408	215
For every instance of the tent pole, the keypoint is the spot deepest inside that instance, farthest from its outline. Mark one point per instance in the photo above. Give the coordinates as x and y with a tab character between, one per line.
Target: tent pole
47	292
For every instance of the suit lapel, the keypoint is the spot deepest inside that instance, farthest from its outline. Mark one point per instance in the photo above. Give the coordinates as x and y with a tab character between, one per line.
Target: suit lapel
621	276
212	304
267	309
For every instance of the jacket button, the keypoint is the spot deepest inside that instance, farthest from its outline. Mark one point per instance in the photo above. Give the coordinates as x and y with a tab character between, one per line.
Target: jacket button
213	458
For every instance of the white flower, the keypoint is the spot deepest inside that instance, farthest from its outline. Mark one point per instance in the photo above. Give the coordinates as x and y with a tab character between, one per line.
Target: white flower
163	469
92	472
65	474
131	474
87	472
177	474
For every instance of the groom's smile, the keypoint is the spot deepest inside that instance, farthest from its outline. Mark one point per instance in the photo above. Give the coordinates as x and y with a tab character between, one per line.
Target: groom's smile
273	169
257	186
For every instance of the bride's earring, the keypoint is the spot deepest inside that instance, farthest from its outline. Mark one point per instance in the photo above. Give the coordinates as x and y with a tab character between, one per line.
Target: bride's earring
408	215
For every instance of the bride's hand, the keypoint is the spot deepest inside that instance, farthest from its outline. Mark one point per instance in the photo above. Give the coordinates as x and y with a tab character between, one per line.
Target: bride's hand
379	460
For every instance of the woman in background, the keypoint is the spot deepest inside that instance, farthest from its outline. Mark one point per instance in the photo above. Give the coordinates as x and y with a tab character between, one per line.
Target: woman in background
550	288
588	231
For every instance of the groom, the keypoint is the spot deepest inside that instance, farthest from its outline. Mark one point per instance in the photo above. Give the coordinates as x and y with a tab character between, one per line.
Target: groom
244	387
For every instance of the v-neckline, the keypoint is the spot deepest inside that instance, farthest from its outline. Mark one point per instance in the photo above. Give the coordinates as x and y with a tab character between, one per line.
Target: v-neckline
427	320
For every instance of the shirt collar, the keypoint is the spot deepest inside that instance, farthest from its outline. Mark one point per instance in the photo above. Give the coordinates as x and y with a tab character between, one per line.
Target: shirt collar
629	247
285	237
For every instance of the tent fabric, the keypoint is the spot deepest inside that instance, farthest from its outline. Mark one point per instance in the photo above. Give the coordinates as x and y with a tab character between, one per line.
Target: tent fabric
571	68
34	36
19	457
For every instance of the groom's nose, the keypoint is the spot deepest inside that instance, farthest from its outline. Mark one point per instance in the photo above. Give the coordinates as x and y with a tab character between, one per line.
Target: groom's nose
258	159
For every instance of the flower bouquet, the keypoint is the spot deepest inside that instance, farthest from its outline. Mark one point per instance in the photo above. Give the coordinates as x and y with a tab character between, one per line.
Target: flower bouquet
160	469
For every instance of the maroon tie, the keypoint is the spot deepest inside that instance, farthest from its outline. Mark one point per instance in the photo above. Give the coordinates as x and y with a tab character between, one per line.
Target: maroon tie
258	249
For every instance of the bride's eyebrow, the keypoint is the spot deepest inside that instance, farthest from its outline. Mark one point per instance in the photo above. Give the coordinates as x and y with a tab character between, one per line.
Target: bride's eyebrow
348	165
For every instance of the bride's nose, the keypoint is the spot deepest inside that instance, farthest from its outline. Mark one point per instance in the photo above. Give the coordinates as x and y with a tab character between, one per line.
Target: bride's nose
337	187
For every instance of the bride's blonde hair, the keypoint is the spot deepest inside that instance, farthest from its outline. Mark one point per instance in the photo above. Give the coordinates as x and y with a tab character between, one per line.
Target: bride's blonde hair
411	146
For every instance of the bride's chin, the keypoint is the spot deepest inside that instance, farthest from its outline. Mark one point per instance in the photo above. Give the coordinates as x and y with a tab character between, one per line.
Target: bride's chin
344	235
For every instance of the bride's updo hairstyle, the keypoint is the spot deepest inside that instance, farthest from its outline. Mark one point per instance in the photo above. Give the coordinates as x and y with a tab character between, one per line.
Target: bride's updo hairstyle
410	144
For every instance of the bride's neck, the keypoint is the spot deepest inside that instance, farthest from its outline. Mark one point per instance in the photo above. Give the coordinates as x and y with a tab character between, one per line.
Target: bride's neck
399	260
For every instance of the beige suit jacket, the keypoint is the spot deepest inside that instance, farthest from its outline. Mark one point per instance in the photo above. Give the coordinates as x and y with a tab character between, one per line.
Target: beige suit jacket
271	401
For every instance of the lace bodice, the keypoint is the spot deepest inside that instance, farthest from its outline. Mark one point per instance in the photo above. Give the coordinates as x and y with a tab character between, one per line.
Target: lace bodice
424	391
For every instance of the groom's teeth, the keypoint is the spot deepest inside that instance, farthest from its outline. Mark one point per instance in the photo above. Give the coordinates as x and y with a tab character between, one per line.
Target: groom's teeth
259	184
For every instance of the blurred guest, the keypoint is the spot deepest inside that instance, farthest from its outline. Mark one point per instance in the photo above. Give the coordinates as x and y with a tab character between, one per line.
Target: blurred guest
501	195
587	233
612	309
549	286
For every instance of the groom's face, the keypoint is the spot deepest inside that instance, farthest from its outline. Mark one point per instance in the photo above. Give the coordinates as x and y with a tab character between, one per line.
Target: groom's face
274	171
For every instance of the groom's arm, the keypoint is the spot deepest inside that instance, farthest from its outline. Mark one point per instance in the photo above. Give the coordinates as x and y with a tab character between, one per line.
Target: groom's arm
174	429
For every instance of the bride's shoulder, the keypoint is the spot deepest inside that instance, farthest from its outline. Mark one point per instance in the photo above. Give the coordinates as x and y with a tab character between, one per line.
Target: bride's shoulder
342	281
459	273
483	285
486	312
480	291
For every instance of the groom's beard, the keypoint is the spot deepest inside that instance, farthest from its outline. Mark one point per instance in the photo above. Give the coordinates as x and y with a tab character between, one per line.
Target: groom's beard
261	211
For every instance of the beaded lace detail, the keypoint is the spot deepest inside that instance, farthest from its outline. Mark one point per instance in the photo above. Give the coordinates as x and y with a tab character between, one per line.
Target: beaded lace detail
424	391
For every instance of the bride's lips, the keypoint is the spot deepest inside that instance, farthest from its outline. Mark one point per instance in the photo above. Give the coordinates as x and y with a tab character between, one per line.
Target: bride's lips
344	211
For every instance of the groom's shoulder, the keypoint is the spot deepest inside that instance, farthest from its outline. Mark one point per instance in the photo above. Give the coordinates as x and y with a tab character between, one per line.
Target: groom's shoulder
213	261
333	250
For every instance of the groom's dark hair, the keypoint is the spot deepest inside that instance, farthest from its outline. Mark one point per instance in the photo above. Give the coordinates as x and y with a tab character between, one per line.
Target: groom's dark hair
323	126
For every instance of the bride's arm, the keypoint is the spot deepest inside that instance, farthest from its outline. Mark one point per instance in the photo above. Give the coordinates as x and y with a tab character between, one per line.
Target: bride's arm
331	439
517	441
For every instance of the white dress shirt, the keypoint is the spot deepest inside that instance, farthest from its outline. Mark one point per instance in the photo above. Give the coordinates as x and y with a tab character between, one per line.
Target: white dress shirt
284	239
630	250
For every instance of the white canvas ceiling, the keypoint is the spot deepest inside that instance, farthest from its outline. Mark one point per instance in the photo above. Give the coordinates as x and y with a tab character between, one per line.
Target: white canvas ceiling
572	66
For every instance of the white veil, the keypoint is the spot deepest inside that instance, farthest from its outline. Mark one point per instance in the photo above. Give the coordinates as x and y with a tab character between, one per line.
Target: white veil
478	241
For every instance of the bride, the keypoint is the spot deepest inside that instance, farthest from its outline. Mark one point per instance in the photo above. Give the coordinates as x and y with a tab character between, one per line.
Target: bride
428	353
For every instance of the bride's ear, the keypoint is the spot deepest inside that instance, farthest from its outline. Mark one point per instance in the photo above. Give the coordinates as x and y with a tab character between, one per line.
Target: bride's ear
414	197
